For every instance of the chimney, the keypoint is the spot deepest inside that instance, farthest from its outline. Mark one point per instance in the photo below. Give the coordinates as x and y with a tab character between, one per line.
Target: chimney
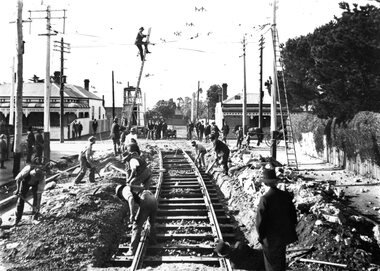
224	92
87	84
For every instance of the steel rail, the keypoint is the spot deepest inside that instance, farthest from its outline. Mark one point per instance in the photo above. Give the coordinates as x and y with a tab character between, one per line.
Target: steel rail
211	211
139	254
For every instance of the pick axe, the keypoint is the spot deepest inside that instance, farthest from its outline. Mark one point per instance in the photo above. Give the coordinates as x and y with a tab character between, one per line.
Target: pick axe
35	210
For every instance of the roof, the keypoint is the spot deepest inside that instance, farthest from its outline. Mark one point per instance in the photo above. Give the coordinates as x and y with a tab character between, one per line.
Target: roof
38	89
252	98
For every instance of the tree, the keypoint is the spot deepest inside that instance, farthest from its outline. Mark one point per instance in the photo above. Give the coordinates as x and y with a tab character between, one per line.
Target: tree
165	108
337	67
214	94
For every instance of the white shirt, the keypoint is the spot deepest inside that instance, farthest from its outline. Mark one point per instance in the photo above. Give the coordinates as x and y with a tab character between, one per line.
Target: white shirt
129	137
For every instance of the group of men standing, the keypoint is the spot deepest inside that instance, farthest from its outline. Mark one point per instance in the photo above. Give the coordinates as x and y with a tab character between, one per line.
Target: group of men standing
77	129
157	129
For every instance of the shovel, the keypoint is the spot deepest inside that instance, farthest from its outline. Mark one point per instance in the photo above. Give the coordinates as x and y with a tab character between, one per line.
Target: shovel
35	210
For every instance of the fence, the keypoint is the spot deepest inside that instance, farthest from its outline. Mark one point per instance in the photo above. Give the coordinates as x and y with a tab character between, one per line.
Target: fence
338	158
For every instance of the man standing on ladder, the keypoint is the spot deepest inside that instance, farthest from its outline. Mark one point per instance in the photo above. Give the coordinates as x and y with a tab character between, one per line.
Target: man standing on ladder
139	43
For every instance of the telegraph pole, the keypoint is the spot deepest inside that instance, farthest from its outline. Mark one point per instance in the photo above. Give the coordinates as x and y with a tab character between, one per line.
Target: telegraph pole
63	46
273	126
12	101
261	43
244	112
113	97
20	81
47	90
198	101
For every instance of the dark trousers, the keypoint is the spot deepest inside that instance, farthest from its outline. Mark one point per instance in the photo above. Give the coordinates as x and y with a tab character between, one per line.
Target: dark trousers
148	209
139	45
29	153
20	202
39	152
274	251
238	142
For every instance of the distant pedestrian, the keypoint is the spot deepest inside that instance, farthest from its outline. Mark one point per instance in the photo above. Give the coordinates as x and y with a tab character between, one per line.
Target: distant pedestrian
164	129
3	151
207	132
94	126
190	128
86	161
75	129
200	152
239	137
123	134
150	129
276	221
201	130
115	136
139	43
222	152
30	142
225	131
39	146
80	128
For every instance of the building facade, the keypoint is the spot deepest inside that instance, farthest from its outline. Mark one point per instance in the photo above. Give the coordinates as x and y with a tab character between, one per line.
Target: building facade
79	104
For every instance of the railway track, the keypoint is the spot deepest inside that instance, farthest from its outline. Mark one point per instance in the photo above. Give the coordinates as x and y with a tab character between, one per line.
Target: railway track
190	218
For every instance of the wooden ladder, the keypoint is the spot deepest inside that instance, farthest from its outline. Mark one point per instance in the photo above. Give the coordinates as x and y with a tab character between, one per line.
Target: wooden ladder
286	123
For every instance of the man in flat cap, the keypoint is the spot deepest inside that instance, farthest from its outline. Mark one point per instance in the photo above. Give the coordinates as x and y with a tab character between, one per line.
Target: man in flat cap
276	221
139	43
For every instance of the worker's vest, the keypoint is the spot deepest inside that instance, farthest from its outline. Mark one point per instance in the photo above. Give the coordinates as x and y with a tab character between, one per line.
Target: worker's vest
142	165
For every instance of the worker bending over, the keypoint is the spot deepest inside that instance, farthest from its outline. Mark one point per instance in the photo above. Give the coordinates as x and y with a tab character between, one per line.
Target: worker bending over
86	161
200	152
222	152
31	176
139	174
147	209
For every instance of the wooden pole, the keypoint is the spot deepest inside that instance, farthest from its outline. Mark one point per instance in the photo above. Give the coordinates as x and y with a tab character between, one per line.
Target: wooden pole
273	126
261	83
244	111
113	96
47	92
20	80
198	102
62	86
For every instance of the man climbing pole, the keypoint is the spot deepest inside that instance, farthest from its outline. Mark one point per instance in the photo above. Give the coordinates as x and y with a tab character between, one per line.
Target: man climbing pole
139	43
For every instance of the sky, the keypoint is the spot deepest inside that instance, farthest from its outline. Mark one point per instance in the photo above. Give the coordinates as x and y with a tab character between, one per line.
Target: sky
189	44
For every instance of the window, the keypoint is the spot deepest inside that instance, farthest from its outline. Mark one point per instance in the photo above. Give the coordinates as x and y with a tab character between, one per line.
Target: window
86	114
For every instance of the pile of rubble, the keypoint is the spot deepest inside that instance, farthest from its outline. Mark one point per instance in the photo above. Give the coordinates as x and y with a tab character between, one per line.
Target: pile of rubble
333	233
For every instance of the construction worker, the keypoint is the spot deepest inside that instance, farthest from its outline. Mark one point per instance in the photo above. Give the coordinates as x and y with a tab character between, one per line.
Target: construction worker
225	131
139	43
276	221
200	152
86	161
31	176
3	151
239	137
115	135
147	209
139	174
132	135
240	255
222	152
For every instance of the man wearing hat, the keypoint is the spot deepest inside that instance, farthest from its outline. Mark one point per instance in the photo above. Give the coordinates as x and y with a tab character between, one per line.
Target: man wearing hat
147	209
31	176
240	255
86	161
222	152
200	152
139	43
276	222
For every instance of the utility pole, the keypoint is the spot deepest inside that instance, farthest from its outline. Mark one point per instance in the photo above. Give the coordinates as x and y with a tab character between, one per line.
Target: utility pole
47	90
20	81
62	81
198	101
261	43
244	112
273	126
113	97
